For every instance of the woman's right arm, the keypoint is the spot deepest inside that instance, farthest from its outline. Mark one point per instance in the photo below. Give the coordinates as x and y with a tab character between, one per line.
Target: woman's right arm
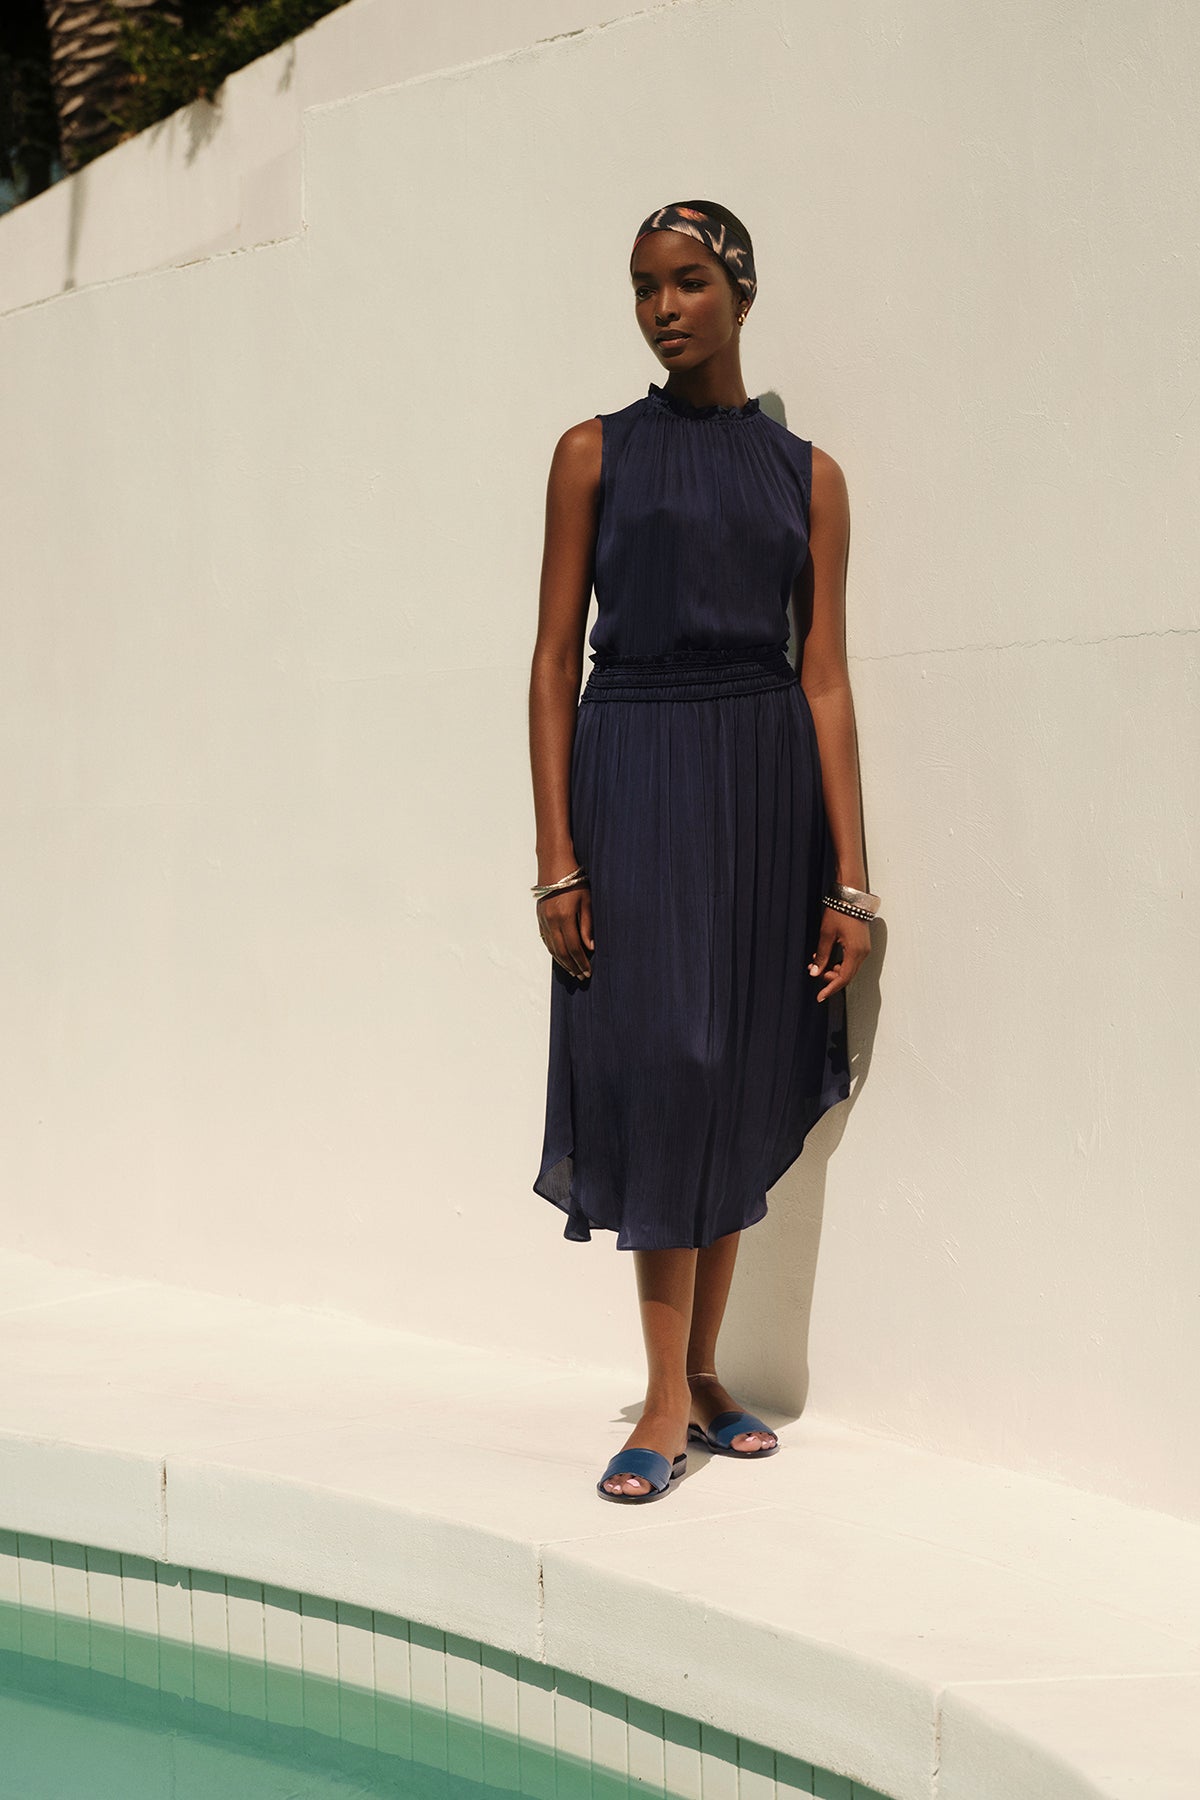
572	496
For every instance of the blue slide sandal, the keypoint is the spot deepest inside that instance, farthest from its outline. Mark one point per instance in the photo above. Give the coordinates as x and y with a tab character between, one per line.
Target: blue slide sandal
647	1465
725	1427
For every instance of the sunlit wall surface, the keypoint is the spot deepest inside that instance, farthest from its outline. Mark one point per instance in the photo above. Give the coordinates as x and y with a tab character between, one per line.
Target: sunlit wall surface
275	1007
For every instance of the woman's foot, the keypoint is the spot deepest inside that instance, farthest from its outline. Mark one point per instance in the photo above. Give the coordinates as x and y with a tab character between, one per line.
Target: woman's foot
709	1398
662	1427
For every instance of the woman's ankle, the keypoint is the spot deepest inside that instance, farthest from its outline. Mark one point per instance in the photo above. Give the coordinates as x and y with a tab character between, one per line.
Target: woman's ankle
668	1398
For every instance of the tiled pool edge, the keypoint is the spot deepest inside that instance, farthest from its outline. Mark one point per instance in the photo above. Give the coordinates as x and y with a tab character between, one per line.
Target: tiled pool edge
933	1628
79	1601
539	1598
965	1741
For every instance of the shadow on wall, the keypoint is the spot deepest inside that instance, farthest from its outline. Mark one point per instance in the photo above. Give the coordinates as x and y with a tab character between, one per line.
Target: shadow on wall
765	1336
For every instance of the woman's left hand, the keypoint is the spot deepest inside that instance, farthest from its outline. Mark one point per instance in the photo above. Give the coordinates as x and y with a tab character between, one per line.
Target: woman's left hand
854	936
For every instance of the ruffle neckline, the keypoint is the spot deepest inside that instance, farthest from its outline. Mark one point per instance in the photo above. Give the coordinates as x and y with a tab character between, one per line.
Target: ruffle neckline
684	409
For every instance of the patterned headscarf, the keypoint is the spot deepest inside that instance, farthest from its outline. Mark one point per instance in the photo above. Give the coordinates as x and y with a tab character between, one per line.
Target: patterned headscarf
719	237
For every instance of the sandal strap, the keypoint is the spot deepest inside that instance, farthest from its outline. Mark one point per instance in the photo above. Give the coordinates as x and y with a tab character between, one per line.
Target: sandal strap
647	1465
727	1425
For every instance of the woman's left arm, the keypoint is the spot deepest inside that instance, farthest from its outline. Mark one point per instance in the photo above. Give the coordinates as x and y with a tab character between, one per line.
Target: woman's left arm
825	678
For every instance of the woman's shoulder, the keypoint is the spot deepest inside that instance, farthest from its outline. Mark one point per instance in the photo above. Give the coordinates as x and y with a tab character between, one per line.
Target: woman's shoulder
591	430
577	455
828	479
796	452
581	447
581	439
823	469
631	410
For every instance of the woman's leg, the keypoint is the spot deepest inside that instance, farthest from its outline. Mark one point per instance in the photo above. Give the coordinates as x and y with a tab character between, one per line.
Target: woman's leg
714	1272
666	1281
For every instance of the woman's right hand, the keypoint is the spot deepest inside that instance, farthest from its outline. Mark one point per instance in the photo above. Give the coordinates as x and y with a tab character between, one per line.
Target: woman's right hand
565	922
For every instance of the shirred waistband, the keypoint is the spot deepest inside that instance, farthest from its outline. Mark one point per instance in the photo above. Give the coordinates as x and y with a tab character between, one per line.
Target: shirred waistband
708	673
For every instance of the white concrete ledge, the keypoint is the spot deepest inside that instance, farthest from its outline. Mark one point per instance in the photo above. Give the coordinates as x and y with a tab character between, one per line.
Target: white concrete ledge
925	1626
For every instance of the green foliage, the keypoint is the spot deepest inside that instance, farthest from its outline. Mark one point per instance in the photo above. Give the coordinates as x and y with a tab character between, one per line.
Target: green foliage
172	62
28	119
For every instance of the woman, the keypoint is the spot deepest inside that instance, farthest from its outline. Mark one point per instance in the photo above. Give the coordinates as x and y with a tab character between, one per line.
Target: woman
701	878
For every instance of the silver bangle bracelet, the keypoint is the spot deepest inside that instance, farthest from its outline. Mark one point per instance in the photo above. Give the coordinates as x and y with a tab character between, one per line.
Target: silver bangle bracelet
869	903
577	878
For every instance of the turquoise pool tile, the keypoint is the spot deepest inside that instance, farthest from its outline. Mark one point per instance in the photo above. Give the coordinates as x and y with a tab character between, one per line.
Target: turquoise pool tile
72	1642
427	1649
539	1773
176	1669
393	1726
210	1674
499	1706
467	1717
535	1713
248	1687
758	1759
791	1773
464	1705
681	1756
356	1717
464	1749
142	1658
321	1702
37	1632
647	1760
285	1696
428	1729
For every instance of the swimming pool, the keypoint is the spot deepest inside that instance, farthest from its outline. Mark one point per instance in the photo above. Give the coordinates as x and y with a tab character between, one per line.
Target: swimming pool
127	1678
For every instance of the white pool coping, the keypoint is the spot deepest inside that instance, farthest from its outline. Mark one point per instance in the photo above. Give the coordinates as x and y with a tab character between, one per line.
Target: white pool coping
932	1628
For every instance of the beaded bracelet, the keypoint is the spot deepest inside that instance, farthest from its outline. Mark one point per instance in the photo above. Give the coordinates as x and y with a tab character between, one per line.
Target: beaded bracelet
844	906
578	878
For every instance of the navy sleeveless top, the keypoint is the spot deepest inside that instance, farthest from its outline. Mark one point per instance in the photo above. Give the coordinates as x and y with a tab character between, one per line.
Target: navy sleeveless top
702	528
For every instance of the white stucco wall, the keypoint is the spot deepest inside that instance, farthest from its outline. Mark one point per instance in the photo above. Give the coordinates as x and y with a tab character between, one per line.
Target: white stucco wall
275	1008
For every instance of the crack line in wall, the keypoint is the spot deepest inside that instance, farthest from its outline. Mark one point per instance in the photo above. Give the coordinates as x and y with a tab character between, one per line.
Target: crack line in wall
1116	637
490	60
1188	1673
640	12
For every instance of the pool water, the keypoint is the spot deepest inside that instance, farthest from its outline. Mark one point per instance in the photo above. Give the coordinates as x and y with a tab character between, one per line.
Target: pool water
71	1732
120	1680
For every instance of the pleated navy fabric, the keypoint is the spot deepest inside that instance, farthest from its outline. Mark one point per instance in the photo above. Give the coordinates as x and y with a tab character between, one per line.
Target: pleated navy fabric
687	1071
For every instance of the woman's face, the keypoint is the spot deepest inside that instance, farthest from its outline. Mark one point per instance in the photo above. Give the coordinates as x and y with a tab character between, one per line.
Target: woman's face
684	301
